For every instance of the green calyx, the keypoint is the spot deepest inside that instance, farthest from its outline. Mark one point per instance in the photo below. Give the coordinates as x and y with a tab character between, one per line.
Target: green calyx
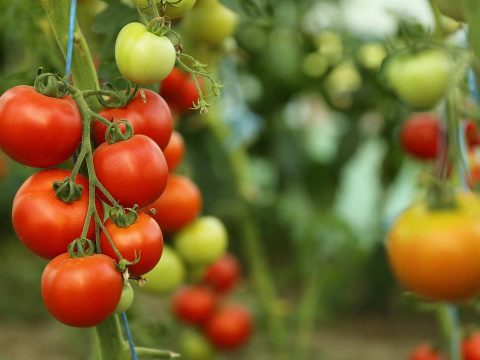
67	190
50	85
111	97
81	248
123	217
115	134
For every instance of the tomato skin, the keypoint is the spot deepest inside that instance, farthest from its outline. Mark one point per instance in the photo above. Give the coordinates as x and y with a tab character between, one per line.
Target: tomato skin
121	168
223	274
143	57
83	291
44	223
194	346
174	151
182	195
194	304
179	90
126	299
230	327
471	134
421	136
167	275
471	347
424	352
142	238
27	119
434	253
151	118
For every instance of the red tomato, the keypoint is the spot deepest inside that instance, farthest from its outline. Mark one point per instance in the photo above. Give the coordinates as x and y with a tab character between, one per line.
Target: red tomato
471	347
223	274
133	171
44	223
471	134
424	352
174	151
151	118
179	205
179	91
194	304
38	130
229	327
420	136
143	238
83	291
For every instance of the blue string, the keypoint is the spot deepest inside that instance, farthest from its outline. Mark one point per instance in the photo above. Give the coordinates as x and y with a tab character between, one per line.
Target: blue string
71	30
129	337
472	85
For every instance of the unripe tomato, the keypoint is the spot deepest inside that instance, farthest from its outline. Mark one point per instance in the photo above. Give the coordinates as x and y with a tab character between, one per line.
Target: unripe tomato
425	352
210	22
202	241
151	118
194	346
45	224
179	9
223	274
126	299
179	90
421	136
167	275
471	347
143	57
133	171
174	151
194	304
230	327
82	291
435	253
37	130
179	204
451	8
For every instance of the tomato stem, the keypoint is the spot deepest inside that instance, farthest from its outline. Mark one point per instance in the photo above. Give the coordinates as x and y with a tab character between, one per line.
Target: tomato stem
449	322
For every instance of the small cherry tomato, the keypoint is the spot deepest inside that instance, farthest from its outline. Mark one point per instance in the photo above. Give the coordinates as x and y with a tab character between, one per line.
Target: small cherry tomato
223	274
425	352
174	151
194	304
421	136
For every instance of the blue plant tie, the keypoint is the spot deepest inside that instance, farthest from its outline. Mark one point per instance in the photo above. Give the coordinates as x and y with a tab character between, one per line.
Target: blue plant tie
129	337
71	31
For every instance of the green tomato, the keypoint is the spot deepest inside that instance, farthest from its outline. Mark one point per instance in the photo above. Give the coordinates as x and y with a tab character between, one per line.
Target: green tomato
203	241
451	8
167	275
420	79
143	57
126	299
179	9
210	22
194	346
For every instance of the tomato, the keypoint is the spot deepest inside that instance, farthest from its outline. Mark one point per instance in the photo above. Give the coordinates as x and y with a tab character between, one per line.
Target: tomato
202	241
471	134
230	327
133	171
37	130
180	91
210	22
421	135
167	275
420	79
151	118
45	224
425	352
474	166
179	9
453	9
174	151
126	299
179	204
83	291
435	253
471	347
223	274
143	57
142	238
194	304
194	346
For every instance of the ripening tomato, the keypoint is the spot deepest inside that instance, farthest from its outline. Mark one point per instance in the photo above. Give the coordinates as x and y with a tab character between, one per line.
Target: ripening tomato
37	130
151	118
174	151
143	239
143	57
421	136
424	352
194	304
223	274
230	327
133	171
180	91
471	347
45	224
179	204
167	275
435	253
82	291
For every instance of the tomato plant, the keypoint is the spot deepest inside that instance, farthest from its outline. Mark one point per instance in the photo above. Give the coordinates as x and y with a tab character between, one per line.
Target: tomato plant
167	275
27	119
425	352
142	239
81	291
182	195
143	57
433	252
150	117
194	304
223	274
136	183
180	91
471	347
174	151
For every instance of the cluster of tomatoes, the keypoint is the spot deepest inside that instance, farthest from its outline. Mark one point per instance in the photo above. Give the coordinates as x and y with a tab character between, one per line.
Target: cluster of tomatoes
470	350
